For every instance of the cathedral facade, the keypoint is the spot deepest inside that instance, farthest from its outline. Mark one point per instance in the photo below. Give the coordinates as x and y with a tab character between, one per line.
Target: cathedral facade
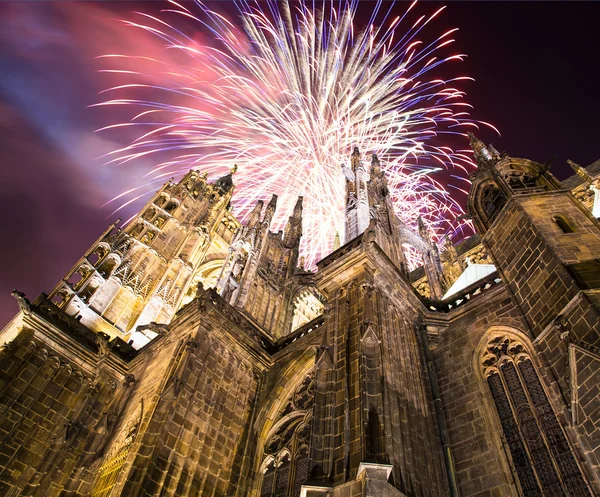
187	354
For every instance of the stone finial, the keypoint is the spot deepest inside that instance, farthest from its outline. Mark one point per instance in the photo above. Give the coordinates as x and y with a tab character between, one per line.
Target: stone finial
298	207
336	241
355	159
293	229
375	165
482	154
423	230
301	263
201	296
234	169
580	171
495	154
255	214
587	177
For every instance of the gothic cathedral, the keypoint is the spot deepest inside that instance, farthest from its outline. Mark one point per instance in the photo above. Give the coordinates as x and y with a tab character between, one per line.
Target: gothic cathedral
187	354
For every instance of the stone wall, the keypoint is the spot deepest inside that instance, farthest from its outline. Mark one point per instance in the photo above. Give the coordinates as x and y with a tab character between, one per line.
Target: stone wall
54	396
483	460
201	403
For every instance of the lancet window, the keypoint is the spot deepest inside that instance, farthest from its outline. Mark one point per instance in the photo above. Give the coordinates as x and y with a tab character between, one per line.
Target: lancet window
542	458
285	464
108	472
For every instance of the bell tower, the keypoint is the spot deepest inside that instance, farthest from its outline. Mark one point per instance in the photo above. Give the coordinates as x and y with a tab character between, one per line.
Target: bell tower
545	245
538	235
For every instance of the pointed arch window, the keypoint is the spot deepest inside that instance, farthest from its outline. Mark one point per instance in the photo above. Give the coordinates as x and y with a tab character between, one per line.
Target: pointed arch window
108	472
285	468
492	202
373	401
542	458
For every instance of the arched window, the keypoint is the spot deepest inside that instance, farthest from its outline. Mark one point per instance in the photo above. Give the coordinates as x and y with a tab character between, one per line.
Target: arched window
373	401
285	468
90	288
149	214
563	223
171	206
108	265
161	201
542	457
137	230
492	201
77	279
266	490
98	254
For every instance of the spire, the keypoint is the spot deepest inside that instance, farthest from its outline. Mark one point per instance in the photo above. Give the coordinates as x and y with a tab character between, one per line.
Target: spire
481	153
580	171
375	166
293	229
270	211
336	241
298	208
355	159
423	231
254	217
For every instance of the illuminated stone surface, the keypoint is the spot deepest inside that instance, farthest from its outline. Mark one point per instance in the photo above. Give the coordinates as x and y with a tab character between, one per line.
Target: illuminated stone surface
188	355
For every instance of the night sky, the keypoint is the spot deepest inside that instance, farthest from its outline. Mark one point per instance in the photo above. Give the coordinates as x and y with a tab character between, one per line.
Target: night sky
536	67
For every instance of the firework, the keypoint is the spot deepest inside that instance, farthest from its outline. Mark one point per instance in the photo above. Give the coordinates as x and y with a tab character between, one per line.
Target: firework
286	96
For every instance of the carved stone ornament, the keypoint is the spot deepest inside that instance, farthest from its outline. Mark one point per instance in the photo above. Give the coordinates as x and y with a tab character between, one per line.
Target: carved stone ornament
129	380
159	329
103	347
24	303
201	296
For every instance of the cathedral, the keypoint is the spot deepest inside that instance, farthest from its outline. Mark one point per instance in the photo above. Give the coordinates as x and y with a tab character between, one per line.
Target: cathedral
188	354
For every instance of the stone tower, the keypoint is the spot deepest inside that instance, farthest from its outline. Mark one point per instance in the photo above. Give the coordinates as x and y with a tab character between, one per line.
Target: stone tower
142	273
189	354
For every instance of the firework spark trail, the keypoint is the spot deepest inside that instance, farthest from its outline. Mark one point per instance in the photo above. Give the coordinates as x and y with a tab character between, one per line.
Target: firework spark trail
287	96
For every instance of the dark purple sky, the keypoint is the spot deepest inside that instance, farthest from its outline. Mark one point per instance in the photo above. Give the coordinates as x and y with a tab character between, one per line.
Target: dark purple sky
536	66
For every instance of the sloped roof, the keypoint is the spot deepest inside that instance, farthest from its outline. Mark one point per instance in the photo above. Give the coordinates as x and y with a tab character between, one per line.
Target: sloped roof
473	273
575	180
467	244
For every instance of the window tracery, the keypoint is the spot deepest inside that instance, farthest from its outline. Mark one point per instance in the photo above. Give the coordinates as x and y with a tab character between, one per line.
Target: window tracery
542	458
519	181
285	466
114	461
492	202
